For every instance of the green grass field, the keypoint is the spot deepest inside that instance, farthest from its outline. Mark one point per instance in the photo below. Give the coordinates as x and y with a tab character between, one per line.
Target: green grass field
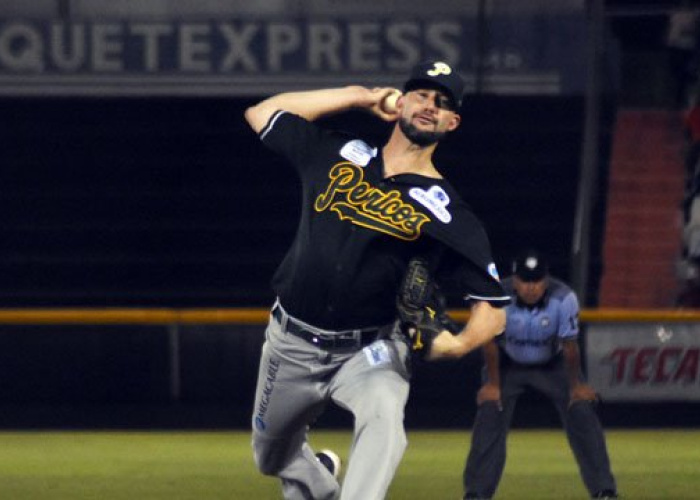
218	465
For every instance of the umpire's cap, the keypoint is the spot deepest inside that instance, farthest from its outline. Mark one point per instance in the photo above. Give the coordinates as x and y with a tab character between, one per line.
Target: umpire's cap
530	265
437	75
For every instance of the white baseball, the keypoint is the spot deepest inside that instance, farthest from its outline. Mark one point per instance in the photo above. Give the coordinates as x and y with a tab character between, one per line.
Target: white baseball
389	102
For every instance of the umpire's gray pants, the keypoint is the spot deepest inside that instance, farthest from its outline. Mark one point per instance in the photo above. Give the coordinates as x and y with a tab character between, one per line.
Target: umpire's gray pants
487	454
295	382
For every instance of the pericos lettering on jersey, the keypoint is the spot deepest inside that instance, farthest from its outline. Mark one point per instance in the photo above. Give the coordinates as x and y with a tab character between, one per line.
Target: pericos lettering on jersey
353	198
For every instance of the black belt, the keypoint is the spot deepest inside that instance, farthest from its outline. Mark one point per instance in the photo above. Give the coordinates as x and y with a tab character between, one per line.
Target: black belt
337	340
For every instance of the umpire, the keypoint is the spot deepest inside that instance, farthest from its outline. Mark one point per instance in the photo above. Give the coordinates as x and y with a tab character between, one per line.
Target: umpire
538	351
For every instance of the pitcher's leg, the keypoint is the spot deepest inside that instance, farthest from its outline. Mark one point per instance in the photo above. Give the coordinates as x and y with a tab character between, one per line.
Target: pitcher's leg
302	476
374	387
288	398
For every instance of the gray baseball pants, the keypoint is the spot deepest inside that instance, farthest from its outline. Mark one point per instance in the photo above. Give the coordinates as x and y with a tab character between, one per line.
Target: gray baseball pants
295	382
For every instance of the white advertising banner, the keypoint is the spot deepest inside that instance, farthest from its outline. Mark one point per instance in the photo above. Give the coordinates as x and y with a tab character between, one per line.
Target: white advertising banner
644	361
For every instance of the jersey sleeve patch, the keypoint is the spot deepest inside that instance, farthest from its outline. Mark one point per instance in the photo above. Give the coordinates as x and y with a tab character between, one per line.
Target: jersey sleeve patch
358	152
434	199
493	271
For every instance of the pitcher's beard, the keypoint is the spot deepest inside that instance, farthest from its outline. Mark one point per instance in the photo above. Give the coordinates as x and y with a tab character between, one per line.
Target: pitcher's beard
419	137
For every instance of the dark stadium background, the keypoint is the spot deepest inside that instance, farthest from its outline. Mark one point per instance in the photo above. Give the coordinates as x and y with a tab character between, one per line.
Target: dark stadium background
172	202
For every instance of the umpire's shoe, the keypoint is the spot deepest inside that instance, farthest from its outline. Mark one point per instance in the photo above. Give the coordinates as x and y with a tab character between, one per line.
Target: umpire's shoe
330	461
605	494
474	496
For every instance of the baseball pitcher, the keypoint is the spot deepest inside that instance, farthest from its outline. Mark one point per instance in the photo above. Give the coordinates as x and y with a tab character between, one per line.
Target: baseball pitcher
355	292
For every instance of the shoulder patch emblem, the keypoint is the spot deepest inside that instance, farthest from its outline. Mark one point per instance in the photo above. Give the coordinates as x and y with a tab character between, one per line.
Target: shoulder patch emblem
493	271
434	199
358	152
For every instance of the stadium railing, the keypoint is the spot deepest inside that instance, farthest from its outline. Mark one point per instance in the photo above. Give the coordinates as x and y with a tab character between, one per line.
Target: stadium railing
173	319
166	316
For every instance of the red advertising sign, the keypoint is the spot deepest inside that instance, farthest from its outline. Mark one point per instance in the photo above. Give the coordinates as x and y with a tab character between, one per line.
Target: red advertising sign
644	361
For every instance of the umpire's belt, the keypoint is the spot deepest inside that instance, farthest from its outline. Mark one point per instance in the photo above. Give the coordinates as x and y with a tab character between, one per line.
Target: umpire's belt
326	339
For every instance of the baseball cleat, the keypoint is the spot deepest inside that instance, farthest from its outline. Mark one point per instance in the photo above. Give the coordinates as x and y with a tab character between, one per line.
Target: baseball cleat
330	461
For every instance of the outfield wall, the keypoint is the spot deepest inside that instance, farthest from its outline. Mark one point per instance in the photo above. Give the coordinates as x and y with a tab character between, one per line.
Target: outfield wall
197	368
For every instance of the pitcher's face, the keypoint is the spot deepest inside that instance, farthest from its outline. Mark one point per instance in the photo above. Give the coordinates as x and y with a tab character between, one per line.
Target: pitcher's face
426	116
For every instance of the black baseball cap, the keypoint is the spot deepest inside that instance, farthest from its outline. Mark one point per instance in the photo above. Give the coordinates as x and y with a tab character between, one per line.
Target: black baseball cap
530	265
438	75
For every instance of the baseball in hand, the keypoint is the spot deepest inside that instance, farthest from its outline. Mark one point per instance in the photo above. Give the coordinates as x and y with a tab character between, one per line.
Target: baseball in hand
389	102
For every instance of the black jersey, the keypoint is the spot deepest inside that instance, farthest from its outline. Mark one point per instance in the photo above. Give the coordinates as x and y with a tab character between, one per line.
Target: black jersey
358	230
